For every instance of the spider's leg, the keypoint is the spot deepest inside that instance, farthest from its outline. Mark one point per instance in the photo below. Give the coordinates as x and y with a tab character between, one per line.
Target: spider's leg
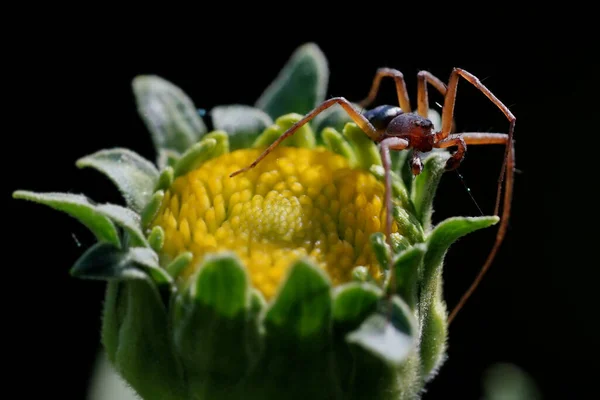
387	144
356	116
461	148
448	115
400	88
424	77
475	138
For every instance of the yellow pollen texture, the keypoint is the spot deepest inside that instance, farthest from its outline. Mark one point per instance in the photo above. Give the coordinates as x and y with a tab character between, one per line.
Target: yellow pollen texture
295	202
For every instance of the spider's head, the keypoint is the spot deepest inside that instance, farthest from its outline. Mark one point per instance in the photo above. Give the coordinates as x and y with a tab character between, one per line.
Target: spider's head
418	131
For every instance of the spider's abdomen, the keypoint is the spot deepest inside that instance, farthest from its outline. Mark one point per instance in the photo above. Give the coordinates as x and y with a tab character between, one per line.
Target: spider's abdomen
381	116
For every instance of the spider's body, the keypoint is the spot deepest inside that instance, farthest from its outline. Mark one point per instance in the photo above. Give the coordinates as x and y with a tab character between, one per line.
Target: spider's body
391	121
397	128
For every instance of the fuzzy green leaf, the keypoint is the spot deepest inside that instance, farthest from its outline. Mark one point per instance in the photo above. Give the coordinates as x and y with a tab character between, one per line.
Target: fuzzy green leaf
79	207
406	267
168	112
303	306
128	220
434	331
104	261
300	86
242	123
425	185
195	156
432	309
446	233
134	176
390	334
222	285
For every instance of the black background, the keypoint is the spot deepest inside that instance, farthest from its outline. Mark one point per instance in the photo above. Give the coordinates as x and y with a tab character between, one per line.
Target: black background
534	308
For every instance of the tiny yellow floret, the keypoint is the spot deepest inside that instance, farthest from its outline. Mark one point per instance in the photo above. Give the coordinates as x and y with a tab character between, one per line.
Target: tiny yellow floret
296	202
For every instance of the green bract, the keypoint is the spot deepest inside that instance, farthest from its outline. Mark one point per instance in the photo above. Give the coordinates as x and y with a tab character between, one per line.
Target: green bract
213	335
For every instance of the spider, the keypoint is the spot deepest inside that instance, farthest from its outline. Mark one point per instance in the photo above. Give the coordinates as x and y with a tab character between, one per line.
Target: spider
397	128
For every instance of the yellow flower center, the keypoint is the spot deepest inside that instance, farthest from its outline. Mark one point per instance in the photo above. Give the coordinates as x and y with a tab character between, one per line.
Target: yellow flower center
296	202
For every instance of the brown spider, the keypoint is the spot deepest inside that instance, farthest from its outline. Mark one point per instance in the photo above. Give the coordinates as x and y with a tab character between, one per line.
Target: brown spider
397	128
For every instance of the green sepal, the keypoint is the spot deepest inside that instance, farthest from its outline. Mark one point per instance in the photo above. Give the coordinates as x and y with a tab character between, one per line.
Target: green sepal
136	337
78	207
365	150
425	185
334	117
242	123
268	136
399	243
222	285
151	210
134	176
303	137
361	274
302	307
156	239
390	334
222	146
381	250
408	224
399	190
297	358
210	327
104	261
166	178
128	220
335	142
406	268
194	157
362	373
353	303
178	264
300	86
168	112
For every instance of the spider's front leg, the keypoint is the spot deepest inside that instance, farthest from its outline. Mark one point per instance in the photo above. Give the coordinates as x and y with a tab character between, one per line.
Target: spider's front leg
356	116
461	148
